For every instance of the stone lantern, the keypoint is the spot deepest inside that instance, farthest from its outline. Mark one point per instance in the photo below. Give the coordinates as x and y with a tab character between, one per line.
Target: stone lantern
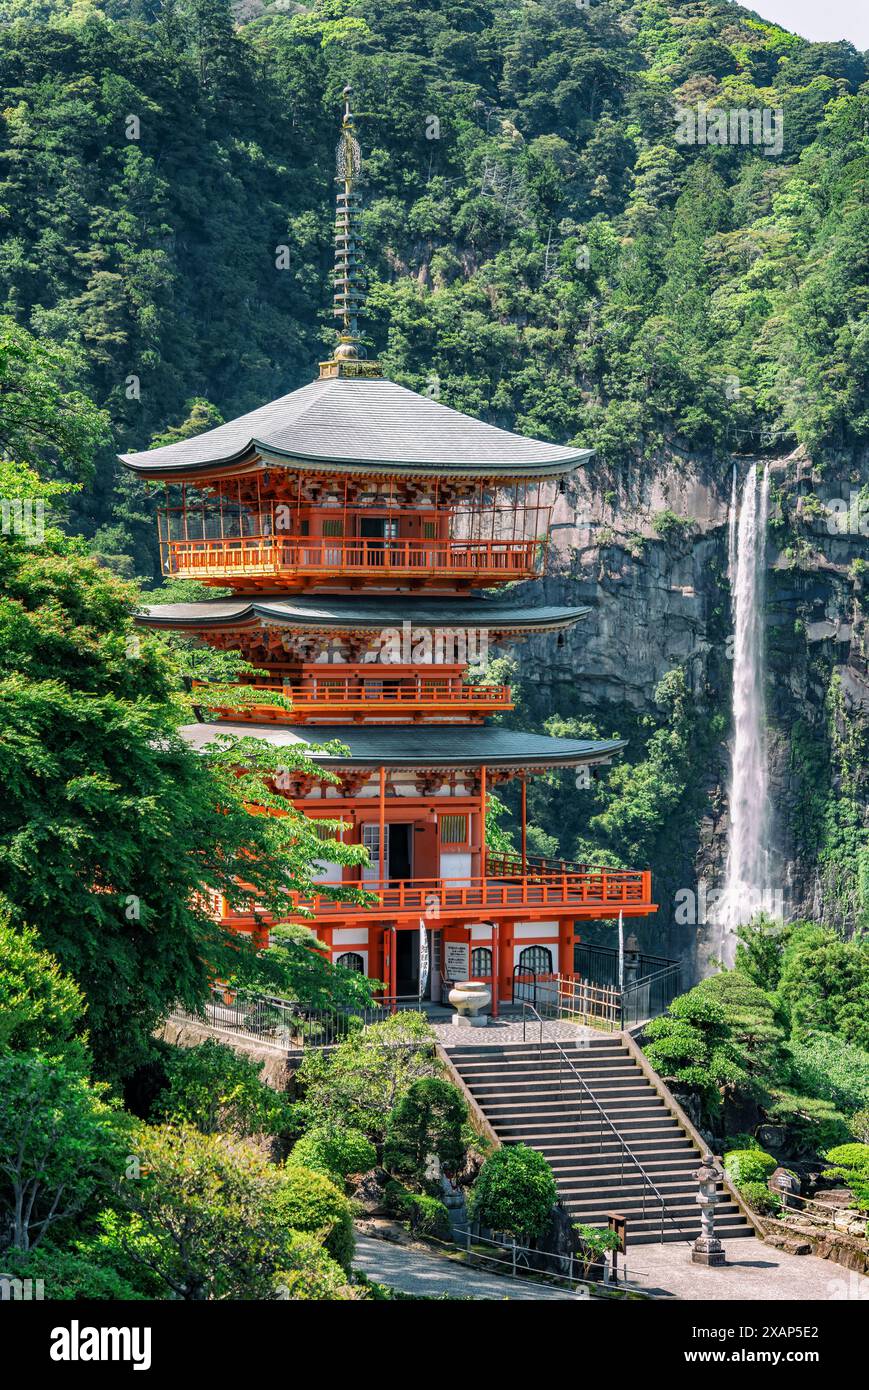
707	1247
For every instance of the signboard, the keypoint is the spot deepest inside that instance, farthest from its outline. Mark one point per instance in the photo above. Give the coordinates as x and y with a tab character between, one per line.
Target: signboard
424	963
457	960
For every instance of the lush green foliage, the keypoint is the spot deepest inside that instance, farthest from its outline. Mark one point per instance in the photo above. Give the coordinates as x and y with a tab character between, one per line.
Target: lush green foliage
825	984
850	1165
107	811
217	1089
515	1192
426	1215
40	1006
334	1150
760	1198
310	1202
207	1217
60	1145
826	1067
749	1165
359	1082
427	1120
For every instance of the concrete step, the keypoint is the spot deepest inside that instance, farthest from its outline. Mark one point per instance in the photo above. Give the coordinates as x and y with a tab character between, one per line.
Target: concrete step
608	1165
566	1085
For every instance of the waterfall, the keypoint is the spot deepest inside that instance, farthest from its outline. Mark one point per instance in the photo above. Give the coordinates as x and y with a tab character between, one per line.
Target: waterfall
747	886
732	517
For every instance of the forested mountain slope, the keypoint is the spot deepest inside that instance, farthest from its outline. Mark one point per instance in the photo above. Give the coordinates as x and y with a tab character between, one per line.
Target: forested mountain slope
544	251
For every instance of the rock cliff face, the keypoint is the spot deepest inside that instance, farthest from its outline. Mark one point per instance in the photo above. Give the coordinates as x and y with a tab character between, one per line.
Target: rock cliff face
660	599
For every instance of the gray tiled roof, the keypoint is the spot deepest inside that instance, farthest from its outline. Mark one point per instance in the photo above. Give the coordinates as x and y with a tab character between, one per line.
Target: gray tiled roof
417	746
385	611
357	423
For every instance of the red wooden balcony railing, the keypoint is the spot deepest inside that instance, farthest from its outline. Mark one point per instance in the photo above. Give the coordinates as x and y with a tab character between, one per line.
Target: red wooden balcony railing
337	697
589	892
291	557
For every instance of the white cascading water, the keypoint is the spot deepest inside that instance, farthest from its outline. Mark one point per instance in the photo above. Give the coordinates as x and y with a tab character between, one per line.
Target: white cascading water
747	886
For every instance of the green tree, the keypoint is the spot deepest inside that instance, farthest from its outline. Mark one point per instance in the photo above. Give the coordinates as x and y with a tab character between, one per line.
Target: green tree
217	1089
40	1007
207	1217
61	1145
825	984
428	1119
515	1192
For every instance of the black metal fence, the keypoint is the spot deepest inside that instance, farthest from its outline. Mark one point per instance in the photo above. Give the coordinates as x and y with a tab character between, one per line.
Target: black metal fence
281	1023
648	997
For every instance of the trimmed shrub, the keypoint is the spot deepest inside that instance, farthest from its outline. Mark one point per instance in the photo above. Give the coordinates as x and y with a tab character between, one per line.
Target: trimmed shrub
70	1276
849	1156
309	1201
515	1192
335	1152
760	1199
749	1166
311	1273
427	1215
429	1119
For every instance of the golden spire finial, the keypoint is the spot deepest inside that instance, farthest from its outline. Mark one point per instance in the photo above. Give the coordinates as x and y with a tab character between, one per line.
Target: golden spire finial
349	296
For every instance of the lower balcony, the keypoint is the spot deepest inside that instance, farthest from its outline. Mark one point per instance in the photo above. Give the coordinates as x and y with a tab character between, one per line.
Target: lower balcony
505	893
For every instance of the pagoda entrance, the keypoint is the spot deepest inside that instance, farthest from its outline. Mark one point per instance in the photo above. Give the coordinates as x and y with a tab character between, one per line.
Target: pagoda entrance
407	964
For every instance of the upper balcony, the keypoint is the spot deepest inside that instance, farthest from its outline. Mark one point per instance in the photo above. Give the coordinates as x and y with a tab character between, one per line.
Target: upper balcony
285	543
292	562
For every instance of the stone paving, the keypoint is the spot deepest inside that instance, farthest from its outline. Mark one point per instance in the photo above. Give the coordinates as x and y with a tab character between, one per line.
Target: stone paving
509	1030
754	1271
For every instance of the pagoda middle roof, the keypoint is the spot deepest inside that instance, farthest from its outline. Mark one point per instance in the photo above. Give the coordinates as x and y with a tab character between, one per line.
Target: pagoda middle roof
349	612
489	745
359	426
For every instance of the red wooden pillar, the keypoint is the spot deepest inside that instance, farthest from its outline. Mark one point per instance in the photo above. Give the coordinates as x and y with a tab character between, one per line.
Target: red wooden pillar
524	826
496	967
382	834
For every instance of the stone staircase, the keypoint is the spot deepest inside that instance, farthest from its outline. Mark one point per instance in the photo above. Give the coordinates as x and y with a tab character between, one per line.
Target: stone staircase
529	1095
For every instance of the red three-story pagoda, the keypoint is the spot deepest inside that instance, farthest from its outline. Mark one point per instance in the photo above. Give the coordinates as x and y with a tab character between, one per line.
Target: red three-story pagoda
358	525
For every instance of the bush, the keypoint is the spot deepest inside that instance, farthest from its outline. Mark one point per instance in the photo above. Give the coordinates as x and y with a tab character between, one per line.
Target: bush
428	1119
427	1215
216	1089
311	1273
849	1156
70	1275
760	1199
832	1069
812	1125
851	1166
358	1083
858	1124
309	1201
515	1192
749	1166
208	1217
335	1152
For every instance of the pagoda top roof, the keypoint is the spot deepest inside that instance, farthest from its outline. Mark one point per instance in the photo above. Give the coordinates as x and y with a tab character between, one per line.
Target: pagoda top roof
348	612
358	425
487	745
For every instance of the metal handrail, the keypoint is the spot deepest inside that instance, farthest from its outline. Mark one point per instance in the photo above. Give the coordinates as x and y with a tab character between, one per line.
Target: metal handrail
625	1147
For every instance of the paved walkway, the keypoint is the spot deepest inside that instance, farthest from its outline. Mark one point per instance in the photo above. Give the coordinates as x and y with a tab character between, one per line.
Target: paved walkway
417	1271
507	1030
754	1271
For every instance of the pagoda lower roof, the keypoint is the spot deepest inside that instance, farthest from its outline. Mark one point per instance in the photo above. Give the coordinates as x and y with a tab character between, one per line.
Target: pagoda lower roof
415	746
346	612
359	426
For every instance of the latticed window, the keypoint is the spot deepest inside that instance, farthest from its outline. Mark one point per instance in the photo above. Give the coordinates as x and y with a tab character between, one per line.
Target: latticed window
454	830
481	962
536	960
429	530
351	960
333	526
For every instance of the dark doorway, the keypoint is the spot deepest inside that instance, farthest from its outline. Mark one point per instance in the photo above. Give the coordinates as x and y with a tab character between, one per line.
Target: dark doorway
376	531
400	851
407	961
